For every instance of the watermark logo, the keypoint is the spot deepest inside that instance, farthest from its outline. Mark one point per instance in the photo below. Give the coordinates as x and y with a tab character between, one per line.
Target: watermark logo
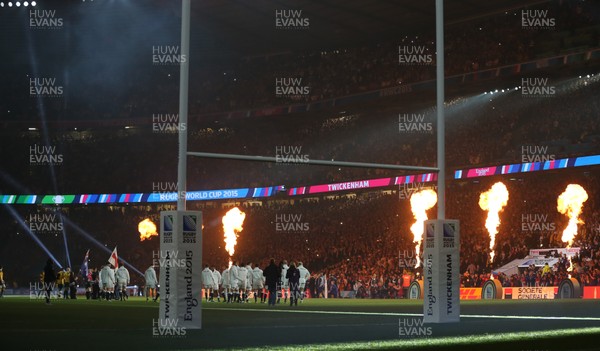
167	258
414	123
291	87
405	191
45	223
44	19
165	123
535	153
414	55
291	224
413	327
167	191
45	87
537	87
291	154
532	222
39	290
167	328
407	259
167	55
291	19
537	19
44	155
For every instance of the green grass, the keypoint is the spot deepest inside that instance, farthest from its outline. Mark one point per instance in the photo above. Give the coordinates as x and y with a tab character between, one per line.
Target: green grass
315	325
510	341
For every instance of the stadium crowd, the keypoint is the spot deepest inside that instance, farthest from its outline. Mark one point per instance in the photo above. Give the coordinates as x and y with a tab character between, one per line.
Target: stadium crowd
361	243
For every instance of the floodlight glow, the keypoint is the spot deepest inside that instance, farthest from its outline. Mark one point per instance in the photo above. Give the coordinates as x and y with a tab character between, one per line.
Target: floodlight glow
9	4
18	4
35	238
2	5
25	4
33	3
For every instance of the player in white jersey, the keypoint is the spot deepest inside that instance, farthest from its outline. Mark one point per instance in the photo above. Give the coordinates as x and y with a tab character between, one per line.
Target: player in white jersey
249	280
151	283
107	277
285	285
208	283
101	279
258	283
304	277
234	273
217	281
242	281
226	284
122	276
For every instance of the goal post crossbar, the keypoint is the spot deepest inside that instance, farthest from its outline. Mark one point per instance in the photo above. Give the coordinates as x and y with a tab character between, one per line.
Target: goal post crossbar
311	162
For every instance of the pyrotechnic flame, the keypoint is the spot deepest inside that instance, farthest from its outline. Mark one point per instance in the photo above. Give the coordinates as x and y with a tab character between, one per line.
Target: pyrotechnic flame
420	202
493	201
232	224
570	202
147	229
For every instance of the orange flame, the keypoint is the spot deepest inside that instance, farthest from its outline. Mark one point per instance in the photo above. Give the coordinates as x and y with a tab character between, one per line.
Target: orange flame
147	229
570	202
420	202
493	201
232	224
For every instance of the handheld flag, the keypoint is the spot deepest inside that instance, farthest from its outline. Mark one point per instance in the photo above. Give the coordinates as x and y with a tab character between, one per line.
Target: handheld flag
84	266
114	258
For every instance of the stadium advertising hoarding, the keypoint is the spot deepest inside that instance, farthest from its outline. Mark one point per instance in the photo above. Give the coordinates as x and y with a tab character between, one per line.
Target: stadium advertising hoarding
163	197
531	293
415	292
592	160
470	293
218	194
591	292
441	274
363	184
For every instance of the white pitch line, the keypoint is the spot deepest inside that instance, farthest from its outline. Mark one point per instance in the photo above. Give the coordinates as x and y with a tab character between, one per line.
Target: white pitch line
408	314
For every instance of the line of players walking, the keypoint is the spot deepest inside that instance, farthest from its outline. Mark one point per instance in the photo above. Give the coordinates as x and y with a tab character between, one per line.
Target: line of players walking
235	284
112	284
107	283
238	282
